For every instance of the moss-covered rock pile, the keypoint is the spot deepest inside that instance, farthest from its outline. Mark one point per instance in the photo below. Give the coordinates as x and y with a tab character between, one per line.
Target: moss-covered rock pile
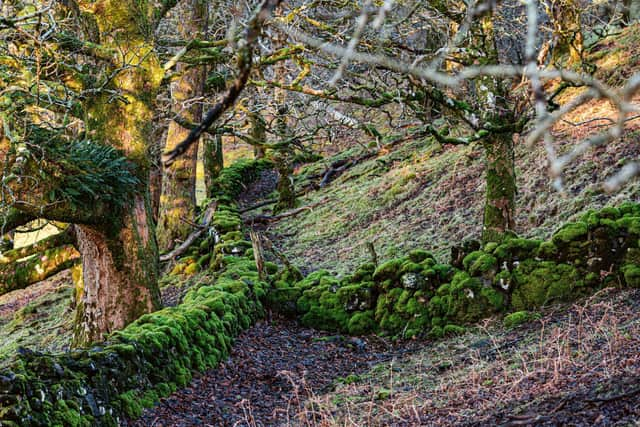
228	238
152	356
414	294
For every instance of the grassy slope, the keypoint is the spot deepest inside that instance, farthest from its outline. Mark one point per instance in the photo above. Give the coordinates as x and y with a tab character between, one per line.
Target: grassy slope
39	317
424	195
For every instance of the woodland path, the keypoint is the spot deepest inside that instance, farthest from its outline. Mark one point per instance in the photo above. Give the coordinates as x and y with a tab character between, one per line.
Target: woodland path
273	368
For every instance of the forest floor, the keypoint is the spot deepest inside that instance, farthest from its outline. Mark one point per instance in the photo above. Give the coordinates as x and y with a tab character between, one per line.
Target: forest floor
575	365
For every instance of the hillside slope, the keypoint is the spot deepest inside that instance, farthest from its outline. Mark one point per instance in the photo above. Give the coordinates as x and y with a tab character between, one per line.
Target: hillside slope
421	194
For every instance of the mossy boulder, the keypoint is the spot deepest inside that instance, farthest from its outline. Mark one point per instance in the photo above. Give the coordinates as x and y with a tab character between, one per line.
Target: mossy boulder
466	300
362	323
390	270
538	283
359	297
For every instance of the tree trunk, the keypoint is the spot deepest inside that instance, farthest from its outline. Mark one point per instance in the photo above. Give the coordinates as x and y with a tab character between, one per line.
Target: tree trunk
499	209
120	273
120	255
258	132
286	191
492	101
213	163
567	32
178	200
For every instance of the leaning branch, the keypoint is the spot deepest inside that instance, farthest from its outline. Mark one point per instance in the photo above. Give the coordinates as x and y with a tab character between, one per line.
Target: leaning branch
22	274
202	227
245	52
60	239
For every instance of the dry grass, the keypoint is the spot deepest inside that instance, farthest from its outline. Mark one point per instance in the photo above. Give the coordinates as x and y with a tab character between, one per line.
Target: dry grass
546	371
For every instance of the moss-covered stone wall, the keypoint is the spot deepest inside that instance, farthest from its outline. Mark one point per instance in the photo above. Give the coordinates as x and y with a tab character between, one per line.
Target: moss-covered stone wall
154	355
414	294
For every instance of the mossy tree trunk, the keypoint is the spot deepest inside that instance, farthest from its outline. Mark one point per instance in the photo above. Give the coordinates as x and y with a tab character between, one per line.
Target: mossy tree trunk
213	163
567	32
119	252
258	132
178	199
286	190
499	209
492	101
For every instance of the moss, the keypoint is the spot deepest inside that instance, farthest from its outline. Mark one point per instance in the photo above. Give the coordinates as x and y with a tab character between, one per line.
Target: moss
290	275
490	247
518	318
364	273
516	249
630	209
547	250
410	267
631	273
389	270
570	232
419	255
631	224
362	323
191	269
453	330
471	258
436	332
360	297
539	283
284	300
484	264
131	405
270	267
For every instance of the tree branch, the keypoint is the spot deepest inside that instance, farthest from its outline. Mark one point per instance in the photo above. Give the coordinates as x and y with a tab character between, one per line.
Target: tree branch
245	52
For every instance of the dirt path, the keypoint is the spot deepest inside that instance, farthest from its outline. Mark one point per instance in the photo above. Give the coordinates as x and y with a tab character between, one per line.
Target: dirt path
273	368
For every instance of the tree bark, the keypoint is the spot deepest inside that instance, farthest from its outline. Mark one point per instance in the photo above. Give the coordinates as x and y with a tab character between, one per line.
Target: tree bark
500	178
178	200
258	132
286	190
213	163
120	273
492	101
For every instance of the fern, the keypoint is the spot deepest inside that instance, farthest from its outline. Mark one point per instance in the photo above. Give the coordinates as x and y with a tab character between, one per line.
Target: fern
85	171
